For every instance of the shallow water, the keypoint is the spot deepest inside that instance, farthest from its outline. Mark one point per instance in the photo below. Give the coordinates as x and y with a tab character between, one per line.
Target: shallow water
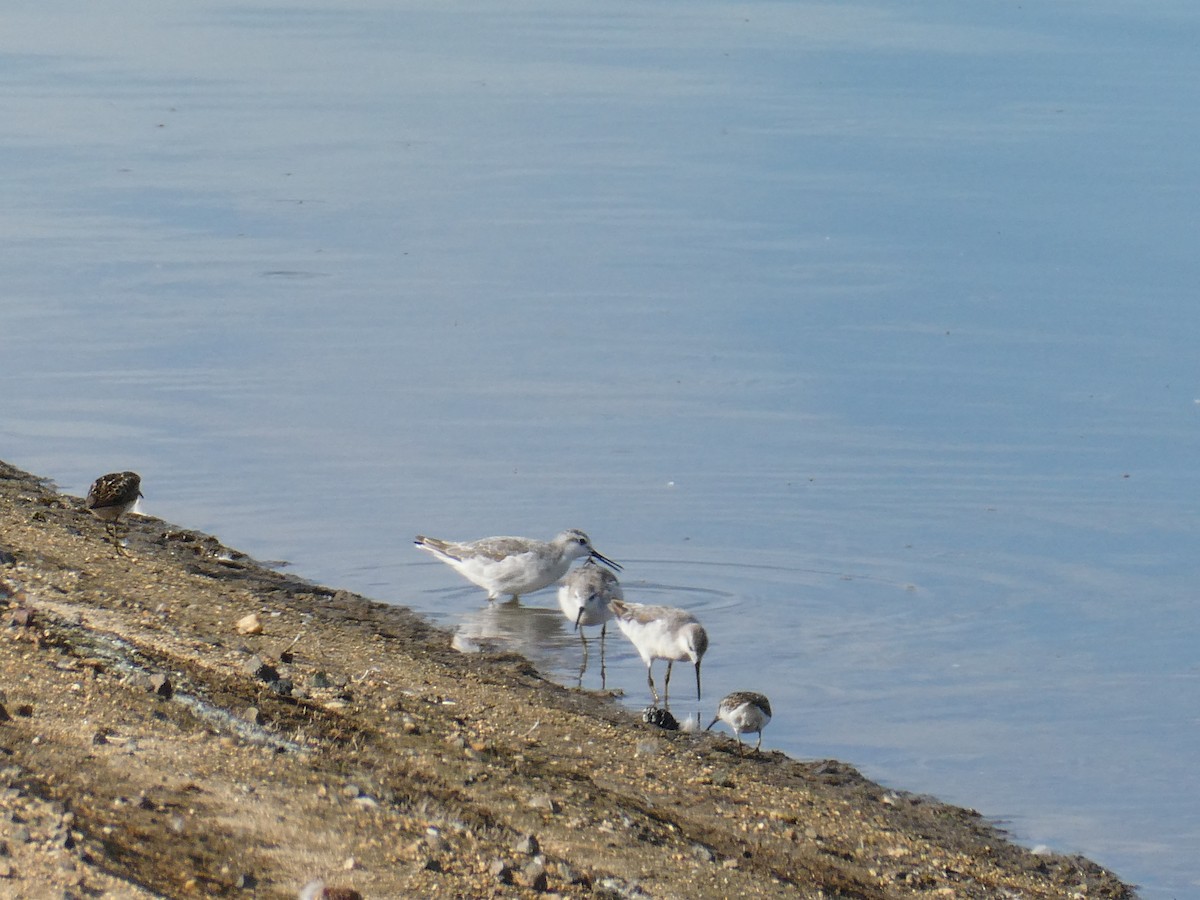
866	334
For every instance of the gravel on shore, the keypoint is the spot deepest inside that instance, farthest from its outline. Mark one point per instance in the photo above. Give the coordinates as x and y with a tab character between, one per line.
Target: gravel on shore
181	721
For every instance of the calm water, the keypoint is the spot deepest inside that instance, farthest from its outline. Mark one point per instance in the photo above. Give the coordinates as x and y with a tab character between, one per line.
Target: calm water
867	333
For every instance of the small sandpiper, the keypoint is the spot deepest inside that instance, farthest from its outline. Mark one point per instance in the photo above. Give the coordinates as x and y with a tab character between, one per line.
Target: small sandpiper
584	597
744	711
662	632
110	497
514	565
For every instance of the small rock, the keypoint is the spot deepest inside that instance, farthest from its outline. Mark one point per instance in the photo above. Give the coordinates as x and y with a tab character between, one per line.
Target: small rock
432	865
702	853
283	686
25	710
501	871
21	617
245	882
320	681
252	715
250	624
4	716
434	840
161	685
6	870
534	876
543	802
261	670
20	835
570	876
527	846
655	715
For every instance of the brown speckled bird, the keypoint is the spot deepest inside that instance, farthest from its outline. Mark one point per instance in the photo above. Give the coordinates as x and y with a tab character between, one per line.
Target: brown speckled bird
110	497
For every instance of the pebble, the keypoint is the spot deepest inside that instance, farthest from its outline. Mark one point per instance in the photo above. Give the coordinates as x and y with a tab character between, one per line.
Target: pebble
434	840
570	876
501	871
161	685
702	853
543	802
245	882
527	845
261	670
250	624
252	715
534	876
657	715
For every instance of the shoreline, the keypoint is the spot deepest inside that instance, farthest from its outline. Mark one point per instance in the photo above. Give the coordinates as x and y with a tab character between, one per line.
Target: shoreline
185	722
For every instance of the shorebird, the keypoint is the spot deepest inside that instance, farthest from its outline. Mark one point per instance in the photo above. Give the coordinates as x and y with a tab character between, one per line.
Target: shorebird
662	632
584	598
744	711
110	497
514	565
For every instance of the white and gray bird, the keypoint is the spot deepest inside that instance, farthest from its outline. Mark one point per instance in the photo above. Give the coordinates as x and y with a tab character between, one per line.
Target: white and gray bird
744	712
514	565
584	597
662	632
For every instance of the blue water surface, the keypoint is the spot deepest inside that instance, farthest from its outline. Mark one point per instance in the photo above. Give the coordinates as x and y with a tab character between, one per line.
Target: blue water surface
865	332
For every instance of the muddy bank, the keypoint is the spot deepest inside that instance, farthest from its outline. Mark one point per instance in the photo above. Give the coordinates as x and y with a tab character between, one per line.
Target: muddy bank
151	747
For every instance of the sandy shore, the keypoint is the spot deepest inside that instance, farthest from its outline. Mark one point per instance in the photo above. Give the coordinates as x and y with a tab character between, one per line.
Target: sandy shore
149	747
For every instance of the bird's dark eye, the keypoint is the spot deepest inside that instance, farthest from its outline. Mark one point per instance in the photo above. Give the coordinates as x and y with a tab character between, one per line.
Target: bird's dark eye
582	542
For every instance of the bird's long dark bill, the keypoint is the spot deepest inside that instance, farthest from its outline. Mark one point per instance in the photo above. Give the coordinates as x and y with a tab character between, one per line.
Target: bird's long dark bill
698	682
578	616
599	557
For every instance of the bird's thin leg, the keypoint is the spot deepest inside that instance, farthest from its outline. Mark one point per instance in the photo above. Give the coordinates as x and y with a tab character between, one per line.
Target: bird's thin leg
120	545
583	665
759	744
603	629
667	682
650	680
114	535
